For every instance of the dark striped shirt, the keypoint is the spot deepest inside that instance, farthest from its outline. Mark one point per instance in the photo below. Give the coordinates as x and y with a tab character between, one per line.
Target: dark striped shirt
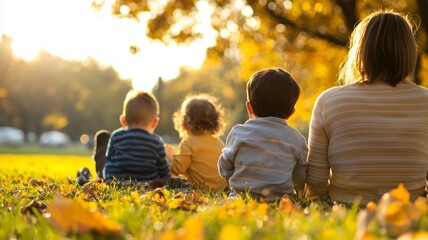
135	154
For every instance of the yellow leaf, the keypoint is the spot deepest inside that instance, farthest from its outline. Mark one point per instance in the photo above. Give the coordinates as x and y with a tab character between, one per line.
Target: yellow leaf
421	204
365	235
421	235
73	216
371	206
231	232
135	196
400	193
193	229
262	210
239	202
286	205
169	235
175	203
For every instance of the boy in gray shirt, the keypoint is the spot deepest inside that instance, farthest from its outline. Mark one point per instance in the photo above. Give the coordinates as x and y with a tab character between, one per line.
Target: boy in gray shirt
265	156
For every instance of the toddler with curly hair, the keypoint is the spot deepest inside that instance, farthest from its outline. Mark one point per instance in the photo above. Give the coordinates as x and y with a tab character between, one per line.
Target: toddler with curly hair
199	122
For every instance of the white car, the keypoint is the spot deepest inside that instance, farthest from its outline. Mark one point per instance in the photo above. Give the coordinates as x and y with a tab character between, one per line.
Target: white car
11	136
54	139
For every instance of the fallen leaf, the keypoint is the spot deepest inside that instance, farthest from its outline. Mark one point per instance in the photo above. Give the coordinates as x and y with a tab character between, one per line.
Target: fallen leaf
396	213
72	216
35	182
400	193
421	204
365	235
193	228
33	206
420	235
286	205
231	232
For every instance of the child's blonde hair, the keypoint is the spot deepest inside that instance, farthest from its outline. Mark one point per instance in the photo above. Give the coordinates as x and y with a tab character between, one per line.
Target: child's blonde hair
382	48
199	114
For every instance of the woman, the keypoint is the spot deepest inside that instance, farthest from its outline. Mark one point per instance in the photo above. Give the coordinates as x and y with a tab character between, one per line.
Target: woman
371	134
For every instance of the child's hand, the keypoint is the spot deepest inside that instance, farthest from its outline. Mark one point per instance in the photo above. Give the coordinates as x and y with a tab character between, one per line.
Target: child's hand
170	150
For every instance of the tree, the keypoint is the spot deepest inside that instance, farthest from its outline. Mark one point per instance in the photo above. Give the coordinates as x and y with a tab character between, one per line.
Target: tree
49	93
328	20
308	37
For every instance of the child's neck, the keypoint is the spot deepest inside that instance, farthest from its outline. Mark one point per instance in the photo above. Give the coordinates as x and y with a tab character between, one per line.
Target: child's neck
145	128
189	133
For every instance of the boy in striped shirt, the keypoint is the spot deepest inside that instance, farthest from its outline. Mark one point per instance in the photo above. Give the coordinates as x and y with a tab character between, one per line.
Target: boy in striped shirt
134	152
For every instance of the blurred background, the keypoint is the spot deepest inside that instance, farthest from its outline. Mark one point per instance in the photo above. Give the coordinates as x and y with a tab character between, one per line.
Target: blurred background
66	65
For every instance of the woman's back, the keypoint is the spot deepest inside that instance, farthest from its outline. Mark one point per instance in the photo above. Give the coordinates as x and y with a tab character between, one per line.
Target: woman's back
375	136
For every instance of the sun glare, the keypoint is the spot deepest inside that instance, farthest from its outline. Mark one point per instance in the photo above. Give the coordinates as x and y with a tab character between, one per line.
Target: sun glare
73	30
24	50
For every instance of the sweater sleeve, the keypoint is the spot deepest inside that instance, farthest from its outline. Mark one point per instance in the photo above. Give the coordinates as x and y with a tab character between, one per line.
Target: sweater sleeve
299	172
318	165
182	159
226	166
162	166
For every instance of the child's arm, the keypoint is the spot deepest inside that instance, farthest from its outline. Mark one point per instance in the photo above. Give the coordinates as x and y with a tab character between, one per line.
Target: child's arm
299	172
170	150
162	165
226	165
182	160
226	168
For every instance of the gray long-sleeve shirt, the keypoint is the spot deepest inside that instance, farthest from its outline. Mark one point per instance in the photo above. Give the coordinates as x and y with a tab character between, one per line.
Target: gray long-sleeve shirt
266	157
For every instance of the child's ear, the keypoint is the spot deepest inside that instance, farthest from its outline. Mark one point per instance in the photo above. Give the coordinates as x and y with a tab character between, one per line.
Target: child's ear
154	123
250	109
122	120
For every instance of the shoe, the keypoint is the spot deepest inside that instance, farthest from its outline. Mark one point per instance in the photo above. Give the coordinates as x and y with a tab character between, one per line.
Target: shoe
83	176
232	195
100	148
175	182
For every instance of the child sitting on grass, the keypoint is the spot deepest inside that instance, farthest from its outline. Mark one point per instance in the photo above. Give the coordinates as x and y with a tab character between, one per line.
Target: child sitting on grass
134	152
265	156
199	123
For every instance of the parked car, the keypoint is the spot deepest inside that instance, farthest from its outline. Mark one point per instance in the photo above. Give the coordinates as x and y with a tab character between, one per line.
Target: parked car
54	139
11	136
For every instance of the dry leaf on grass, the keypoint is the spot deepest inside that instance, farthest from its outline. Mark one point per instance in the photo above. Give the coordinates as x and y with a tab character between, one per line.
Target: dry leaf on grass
72	216
395	214
34	206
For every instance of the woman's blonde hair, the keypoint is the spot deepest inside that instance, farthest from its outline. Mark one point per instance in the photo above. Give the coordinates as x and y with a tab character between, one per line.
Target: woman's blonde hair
199	114
382	48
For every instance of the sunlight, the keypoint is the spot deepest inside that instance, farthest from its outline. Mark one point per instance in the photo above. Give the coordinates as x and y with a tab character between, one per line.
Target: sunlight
73	30
26	51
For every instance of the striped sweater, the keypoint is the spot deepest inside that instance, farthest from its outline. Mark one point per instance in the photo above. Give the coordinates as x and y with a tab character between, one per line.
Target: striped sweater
135	154
366	139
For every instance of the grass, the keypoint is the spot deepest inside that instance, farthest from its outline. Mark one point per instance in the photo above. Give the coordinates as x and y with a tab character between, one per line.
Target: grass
35	149
166	213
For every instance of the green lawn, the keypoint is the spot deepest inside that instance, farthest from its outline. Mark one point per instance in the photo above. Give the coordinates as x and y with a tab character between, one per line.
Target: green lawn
136	211
73	149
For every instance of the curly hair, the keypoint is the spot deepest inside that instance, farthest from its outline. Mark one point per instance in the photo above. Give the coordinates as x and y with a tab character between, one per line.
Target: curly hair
199	114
